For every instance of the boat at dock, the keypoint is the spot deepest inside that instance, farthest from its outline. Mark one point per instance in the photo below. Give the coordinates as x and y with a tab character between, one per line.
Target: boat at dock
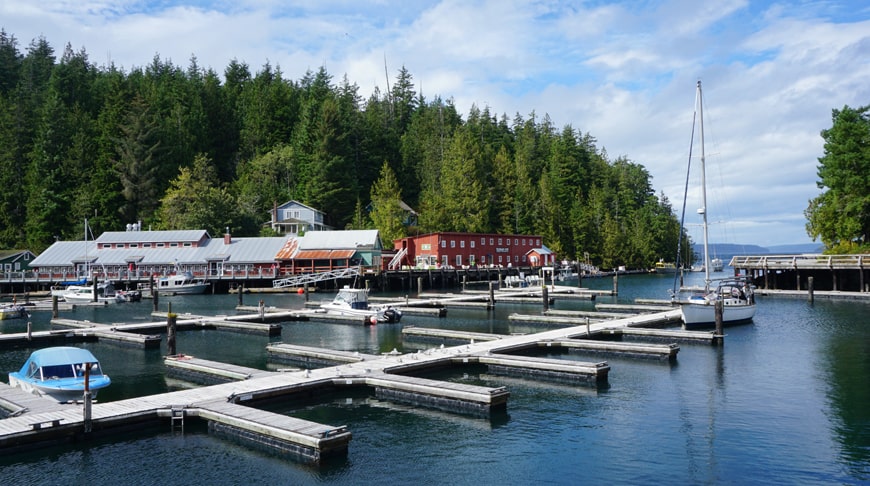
105	292
183	283
12	311
62	373
735	294
665	267
354	302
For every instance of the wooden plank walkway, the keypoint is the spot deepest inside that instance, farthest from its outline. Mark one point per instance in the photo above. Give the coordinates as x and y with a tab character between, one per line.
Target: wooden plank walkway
386	373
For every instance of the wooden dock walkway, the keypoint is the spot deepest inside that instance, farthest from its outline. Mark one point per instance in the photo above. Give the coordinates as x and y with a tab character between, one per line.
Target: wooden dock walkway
225	408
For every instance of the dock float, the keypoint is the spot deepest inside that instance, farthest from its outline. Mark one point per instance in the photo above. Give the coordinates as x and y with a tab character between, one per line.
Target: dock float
446	336
208	372
550	369
633	307
303	439
709	337
308	357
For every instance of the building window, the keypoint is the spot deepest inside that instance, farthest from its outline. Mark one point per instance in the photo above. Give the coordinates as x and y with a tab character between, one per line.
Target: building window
443	243
26	256
499	241
516	241
516	258
444	261
134	245
471	259
161	245
173	245
524	259
538	243
482	241
187	244
491	240
524	242
452	243
461	243
471	243
458	260
499	258
107	245
146	245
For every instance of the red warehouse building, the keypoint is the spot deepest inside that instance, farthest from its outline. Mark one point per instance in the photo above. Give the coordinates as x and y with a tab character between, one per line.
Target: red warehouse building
468	249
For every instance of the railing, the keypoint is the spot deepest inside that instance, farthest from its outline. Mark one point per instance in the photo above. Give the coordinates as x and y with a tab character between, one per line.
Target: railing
304	279
784	262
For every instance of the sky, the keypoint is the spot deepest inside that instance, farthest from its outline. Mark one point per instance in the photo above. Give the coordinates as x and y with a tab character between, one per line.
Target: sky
624	72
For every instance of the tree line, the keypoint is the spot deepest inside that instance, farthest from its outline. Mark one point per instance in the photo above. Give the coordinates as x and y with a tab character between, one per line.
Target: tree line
185	148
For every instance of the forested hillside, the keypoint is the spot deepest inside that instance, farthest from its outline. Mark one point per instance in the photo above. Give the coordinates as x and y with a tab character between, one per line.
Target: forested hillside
186	147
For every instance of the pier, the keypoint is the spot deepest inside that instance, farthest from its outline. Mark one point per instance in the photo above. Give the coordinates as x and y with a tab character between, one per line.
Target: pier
226	403
846	273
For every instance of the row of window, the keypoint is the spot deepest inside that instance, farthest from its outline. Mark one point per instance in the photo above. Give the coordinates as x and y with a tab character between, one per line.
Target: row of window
106	246
502	259
501	241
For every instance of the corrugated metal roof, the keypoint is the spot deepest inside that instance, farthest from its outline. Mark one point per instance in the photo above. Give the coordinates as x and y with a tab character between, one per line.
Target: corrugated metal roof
286	252
349	239
323	254
152	236
240	250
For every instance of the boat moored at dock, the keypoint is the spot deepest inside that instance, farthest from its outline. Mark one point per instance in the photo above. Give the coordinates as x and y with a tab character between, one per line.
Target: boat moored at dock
354	302
62	373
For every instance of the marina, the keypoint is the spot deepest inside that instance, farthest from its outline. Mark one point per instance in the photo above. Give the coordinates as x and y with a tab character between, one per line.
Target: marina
640	396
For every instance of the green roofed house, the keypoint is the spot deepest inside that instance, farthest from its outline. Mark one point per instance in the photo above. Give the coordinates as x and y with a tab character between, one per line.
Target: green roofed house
15	260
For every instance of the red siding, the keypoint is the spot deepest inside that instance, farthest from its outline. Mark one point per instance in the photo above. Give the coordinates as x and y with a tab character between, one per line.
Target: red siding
461	249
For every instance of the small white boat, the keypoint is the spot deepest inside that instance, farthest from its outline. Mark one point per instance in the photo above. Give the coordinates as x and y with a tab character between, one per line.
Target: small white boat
183	283
62	373
12	311
717	264
85	293
355	302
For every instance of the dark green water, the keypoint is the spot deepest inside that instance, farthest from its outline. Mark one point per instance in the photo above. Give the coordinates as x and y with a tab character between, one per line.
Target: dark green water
785	401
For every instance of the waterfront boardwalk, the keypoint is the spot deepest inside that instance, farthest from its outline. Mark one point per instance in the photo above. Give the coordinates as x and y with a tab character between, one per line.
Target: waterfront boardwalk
223	405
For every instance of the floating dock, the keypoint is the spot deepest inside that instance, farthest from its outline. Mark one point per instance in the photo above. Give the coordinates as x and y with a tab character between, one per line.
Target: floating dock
227	406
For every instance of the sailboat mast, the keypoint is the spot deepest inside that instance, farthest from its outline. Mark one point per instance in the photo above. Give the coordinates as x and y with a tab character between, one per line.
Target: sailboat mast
703	209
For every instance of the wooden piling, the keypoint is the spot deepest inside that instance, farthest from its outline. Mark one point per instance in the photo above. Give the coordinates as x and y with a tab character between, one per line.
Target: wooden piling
546	298
154	294
616	284
718	313
171	320
419	285
54	313
810	289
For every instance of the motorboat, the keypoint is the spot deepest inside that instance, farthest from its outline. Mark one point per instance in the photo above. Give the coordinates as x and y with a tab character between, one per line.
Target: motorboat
12	311
128	296
105	292
183	283
665	267
354	302
735	294
717	264
62	373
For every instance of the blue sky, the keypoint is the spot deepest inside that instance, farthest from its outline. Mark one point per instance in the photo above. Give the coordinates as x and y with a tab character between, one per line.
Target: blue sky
622	71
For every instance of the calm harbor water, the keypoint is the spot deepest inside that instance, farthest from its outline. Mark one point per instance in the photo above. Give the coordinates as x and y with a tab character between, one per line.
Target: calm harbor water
786	400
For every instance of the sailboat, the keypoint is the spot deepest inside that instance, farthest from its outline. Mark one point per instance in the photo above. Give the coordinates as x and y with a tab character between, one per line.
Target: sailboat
736	294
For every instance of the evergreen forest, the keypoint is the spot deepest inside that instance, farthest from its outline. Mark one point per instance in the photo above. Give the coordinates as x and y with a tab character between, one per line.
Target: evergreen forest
188	148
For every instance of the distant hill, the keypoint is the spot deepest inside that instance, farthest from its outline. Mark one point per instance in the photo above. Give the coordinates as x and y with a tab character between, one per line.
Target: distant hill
730	249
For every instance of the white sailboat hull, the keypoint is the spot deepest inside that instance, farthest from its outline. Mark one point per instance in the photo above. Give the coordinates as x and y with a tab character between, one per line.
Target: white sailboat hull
702	313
